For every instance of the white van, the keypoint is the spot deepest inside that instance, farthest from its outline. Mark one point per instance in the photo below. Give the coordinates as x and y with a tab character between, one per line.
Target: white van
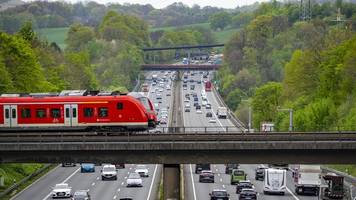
275	181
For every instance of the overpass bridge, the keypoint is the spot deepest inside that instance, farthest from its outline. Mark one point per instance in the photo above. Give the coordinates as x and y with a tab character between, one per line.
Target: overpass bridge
181	148
199	67
202	46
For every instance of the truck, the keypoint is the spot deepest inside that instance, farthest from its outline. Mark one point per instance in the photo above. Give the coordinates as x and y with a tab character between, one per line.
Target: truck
307	179
222	112
154	77
333	187
267	127
275	181
208	86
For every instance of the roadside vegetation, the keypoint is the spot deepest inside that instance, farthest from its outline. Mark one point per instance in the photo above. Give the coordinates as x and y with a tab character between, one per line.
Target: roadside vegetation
277	61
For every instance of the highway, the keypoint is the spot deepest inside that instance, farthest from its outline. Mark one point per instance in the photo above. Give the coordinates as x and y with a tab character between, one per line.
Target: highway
195	190
98	189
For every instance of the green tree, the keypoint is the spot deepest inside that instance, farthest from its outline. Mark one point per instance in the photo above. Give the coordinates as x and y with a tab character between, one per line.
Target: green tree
265	102
220	20
5	78
78	37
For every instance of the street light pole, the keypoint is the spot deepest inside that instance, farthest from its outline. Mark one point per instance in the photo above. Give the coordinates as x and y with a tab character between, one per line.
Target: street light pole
249	115
290	117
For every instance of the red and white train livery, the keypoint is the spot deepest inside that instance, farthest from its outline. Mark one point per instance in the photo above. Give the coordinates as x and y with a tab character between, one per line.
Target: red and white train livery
123	112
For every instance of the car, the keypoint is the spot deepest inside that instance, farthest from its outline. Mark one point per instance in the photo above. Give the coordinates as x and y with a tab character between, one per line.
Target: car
87	167
126	198
142	170
168	94
260	173
206	176
199	81
230	167
153	91
163	121
109	172
219	194
61	190
186	100
199	112
120	166
248	194
208	106
209	114
192	87
198	107
212	120
243	184
201	167
160	90
134	180
187	110
196	99
68	165
191	80
237	175
81	195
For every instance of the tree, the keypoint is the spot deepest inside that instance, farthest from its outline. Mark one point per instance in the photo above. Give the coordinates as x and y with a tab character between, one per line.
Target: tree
78	37
5	78
266	101
220	20
26	32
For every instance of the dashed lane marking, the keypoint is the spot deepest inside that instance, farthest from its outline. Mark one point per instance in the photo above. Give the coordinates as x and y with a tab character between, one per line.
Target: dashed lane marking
191	176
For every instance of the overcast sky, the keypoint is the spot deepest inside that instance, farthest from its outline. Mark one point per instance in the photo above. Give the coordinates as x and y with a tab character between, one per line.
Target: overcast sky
164	3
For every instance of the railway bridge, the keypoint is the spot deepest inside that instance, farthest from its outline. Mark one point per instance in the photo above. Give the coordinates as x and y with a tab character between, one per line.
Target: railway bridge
178	148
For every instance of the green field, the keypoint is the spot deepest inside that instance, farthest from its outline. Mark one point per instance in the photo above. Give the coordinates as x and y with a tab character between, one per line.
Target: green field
349	169
56	35
221	36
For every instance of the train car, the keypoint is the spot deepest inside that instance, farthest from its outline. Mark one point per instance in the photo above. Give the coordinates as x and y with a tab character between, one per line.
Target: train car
116	113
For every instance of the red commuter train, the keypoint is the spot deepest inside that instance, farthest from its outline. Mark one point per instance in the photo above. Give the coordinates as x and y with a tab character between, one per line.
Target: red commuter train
133	112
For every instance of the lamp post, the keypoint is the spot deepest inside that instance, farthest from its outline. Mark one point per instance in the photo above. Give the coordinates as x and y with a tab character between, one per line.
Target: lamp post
249	114
290	117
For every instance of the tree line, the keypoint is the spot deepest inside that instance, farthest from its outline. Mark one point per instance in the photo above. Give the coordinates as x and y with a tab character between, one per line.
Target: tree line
106	58
277	62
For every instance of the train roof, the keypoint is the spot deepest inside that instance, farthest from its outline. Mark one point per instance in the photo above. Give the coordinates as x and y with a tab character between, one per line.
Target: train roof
64	99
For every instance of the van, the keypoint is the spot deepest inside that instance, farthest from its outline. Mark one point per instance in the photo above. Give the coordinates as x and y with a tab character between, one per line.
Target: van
201	167
237	175
275	181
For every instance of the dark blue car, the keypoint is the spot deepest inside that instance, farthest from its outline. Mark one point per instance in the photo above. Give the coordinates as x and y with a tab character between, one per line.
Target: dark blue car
87	167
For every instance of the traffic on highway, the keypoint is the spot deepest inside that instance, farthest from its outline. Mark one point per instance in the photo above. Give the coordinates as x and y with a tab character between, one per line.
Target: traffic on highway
200	108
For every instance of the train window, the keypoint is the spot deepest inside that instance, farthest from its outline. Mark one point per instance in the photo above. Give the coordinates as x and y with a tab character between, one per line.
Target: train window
40	113
26	113
88	112
103	112
7	113
120	106
55	113
74	110
13	113
67	113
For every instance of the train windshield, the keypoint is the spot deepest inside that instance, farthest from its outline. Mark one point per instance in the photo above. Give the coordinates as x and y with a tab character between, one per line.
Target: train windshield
145	101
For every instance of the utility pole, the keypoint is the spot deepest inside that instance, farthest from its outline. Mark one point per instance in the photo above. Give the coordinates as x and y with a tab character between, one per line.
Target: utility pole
290	110
249	114
305	13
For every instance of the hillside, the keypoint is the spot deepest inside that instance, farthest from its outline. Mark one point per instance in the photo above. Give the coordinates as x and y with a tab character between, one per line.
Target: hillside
5	4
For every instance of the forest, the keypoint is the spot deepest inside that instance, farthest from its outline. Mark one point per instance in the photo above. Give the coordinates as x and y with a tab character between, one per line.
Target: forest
277	62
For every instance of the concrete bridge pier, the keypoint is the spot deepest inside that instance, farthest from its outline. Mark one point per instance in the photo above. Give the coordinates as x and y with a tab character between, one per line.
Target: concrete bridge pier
171	182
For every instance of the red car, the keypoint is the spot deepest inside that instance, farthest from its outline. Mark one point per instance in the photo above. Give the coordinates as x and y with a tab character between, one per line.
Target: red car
118	112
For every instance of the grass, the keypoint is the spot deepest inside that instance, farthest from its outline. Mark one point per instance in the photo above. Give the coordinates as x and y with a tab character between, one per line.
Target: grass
349	169
56	35
221	36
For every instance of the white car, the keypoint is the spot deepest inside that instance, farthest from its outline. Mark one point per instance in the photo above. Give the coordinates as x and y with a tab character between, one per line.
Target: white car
212	120
142	170
199	112
186	100
134	180
61	190
109	172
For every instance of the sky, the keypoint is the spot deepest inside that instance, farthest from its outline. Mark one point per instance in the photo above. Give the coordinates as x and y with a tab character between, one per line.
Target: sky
164	3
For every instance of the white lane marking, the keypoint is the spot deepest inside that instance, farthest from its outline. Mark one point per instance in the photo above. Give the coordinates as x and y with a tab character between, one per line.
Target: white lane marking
118	190
115	197
221	180
218	174
92	184
125	177
34	182
223	186
191	176
65	180
122	183
153	180
97	178
295	197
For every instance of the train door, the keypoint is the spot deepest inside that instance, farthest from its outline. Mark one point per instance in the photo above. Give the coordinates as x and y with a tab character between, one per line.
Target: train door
10	115
71	114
